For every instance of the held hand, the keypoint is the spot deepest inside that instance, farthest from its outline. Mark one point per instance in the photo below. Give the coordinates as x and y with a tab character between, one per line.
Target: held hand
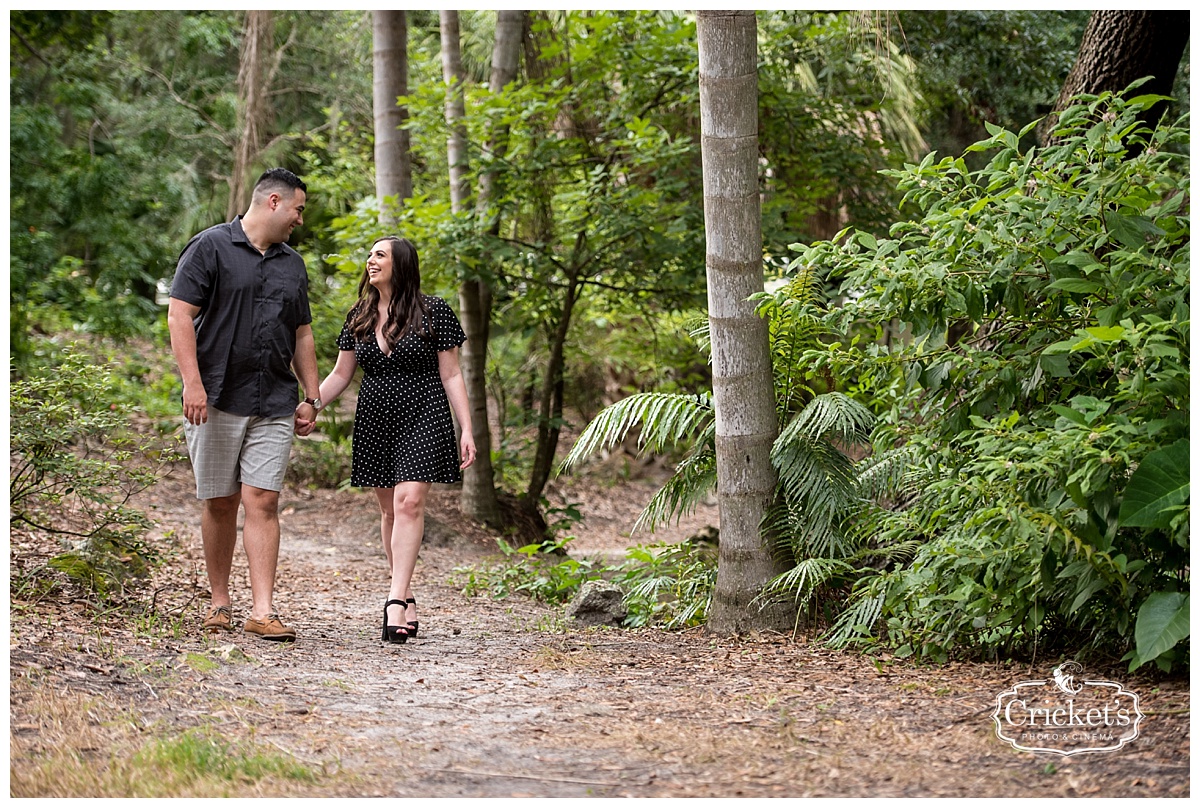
195	404
306	419
467	447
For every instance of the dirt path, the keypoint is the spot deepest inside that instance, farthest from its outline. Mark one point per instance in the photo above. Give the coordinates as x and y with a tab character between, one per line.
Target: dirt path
504	699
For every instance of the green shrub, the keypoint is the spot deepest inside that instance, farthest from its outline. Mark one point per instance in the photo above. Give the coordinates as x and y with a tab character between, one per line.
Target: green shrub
668	586
540	571
1024	346
75	466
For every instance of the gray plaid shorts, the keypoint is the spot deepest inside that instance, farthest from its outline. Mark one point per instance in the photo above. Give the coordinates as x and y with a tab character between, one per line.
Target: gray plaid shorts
234	450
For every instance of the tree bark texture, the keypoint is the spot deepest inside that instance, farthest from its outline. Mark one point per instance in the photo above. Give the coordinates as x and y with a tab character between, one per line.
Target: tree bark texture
1119	47
550	408
743	390
253	110
393	163
506	56
456	111
478	497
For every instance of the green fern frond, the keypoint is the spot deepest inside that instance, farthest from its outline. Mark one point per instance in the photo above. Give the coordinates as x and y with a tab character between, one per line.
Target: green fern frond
802	581
694	479
835	416
666	419
856	622
892	473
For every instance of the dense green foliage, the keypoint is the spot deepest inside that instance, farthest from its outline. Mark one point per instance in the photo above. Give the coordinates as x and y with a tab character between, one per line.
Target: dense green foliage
1002	67
1013	374
75	465
1024	346
122	127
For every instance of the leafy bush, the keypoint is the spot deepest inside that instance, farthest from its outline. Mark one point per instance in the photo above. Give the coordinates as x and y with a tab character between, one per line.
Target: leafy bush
1024	345
537	570
74	468
665	585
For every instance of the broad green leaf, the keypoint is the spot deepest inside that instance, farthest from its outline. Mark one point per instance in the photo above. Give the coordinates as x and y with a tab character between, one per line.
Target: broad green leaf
1107	334
1076	285
1132	231
1161	482
1162	621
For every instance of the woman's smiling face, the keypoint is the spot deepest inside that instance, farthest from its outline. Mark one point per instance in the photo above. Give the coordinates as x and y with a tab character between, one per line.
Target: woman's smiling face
379	265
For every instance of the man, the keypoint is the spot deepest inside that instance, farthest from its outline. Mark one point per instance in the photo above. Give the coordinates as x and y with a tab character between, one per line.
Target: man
240	322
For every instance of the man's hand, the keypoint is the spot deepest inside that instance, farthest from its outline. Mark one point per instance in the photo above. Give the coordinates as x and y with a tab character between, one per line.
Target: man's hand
195	404
306	419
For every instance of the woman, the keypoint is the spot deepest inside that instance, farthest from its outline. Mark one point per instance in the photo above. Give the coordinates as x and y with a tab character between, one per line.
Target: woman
407	345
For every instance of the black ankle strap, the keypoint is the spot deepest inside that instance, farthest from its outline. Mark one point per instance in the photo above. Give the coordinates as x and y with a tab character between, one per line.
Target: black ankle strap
397	602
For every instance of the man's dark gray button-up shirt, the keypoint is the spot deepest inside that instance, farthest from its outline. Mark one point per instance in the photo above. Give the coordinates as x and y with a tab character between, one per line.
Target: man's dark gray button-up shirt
250	307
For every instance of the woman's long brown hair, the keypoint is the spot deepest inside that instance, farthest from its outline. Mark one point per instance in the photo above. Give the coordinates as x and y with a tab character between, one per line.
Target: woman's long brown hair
407	308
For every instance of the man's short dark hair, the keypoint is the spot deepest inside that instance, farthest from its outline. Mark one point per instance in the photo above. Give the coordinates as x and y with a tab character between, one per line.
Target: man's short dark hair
277	179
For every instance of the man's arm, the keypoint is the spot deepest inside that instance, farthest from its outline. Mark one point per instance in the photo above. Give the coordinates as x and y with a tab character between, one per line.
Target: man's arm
305	364
180	322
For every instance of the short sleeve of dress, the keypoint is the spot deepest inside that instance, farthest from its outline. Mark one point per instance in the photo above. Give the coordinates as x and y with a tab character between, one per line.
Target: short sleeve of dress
448	333
345	340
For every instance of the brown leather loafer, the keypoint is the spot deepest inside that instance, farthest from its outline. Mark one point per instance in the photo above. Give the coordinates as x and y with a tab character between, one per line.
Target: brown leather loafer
270	629
219	618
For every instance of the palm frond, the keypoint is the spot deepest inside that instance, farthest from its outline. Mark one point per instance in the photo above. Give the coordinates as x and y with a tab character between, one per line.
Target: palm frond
892	474
802	581
666	419
834	416
694	479
857	621
699	328
816	533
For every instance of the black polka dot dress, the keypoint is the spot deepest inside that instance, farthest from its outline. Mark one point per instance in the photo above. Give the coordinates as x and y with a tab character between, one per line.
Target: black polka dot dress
403	431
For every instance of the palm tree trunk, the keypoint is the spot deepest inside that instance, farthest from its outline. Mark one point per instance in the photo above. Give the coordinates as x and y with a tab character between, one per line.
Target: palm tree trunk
743	394
393	164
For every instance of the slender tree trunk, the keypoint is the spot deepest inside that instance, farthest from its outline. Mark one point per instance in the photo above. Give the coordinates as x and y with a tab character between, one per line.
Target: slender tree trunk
456	111
541	227
253	111
478	498
1119	47
551	402
537	68
393	163
506	56
743	394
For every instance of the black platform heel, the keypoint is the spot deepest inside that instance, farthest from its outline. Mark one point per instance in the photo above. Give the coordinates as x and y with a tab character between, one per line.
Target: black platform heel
393	633
412	627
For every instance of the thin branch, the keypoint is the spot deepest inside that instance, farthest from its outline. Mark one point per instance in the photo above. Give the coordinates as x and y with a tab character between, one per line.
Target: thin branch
29	47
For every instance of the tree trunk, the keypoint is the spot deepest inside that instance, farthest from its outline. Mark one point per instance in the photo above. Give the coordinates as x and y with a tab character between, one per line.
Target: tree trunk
551	406
478	497
1119	47
393	164
743	390
253	111
456	111
541	226
506	55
